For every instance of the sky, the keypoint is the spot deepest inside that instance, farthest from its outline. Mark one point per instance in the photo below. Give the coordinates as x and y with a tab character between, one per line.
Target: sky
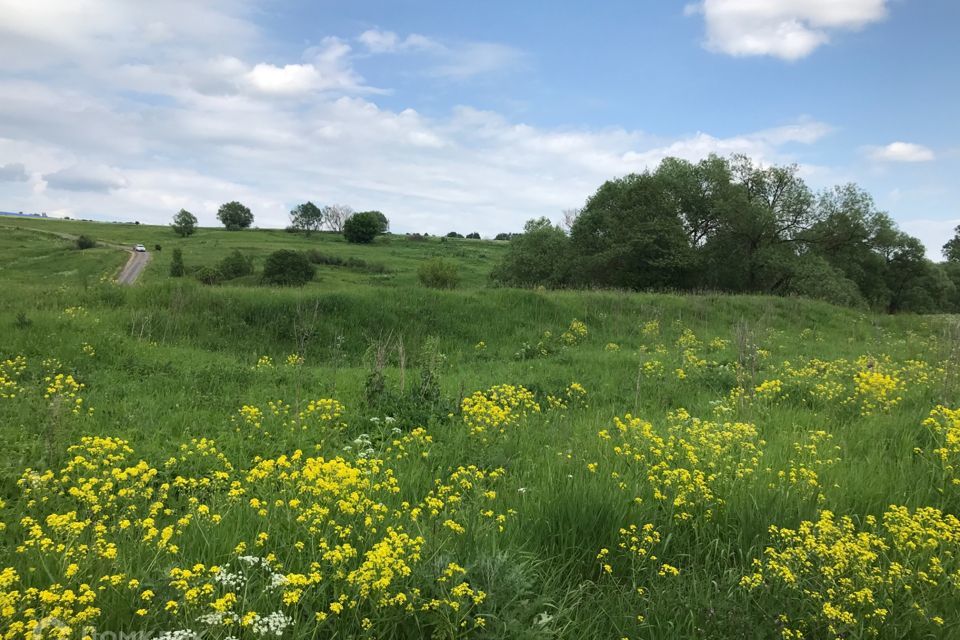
466	116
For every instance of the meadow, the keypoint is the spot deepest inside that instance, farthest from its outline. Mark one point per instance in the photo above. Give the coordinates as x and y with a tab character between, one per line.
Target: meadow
365	457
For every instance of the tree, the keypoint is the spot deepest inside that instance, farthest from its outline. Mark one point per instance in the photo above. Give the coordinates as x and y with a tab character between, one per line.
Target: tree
540	255
473	236
363	227
235	216
176	264
336	215
384	223
307	217
184	223
286	267
952	249
454	234
630	236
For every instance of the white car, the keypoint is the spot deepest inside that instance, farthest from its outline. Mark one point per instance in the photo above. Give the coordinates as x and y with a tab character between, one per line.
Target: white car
140	248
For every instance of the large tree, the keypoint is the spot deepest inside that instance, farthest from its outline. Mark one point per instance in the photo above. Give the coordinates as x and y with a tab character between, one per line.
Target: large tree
629	236
184	223
307	217
235	216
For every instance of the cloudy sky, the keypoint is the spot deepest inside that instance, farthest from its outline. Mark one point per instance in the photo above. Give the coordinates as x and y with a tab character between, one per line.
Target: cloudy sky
466	116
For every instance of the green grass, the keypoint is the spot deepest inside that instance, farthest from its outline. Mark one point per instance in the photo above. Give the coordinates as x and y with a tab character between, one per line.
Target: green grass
173	360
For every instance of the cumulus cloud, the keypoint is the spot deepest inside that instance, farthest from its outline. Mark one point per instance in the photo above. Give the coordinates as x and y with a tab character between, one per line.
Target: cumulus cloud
901	152
787	29
13	172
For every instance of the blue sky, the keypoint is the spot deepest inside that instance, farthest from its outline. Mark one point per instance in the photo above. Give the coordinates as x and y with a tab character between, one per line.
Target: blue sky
467	116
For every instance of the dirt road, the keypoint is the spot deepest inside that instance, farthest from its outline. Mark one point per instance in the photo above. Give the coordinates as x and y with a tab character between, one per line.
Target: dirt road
134	267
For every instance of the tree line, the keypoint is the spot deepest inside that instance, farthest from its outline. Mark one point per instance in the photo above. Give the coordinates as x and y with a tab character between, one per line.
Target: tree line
731	225
357	226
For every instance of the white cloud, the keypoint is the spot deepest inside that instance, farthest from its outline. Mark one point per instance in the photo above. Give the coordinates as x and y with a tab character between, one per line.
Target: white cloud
13	172
456	61
901	152
787	29
378	41
97	178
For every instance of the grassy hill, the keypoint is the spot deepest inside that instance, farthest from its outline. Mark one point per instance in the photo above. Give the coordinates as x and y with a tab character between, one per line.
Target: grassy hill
427	500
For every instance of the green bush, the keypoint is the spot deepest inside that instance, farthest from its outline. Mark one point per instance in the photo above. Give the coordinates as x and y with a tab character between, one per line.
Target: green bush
85	242
208	275
363	227
286	267
439	274
176	264
235	265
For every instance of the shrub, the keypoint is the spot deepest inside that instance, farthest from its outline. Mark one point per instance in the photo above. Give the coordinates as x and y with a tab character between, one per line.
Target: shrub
85	242
454	234
473	236
235	265
208	275
363	227
318	257
286	267
156	247
439	274
176	264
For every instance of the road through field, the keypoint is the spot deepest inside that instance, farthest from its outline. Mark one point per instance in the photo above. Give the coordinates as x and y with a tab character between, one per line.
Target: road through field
134	267
131	270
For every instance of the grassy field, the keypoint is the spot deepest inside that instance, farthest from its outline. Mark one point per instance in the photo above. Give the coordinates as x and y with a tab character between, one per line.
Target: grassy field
368	458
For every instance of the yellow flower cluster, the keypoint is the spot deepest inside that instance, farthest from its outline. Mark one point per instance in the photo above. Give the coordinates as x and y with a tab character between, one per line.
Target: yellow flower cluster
944	425
11	370
575	333
573	396
501	406
686	467
294	360
834	577
167	544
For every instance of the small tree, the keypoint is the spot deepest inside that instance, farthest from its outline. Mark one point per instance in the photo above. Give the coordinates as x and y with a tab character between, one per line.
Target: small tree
176	264
439	274
336	215
307	217
363	227
184	223
286	267
235	216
